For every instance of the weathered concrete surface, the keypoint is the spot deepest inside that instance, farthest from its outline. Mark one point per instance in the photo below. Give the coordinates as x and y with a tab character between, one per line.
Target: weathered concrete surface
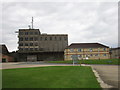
109	74
30	64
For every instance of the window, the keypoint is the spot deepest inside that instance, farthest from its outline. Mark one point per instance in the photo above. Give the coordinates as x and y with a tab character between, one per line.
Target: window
90	49
36	33
74	57
21	44
31	38
26	49
26	38
96	54
104	49
65	38
91	55
79	56
50	38
21	49
31	33
60	38
36	49
71	50
45	38
20	33
31	49
104	54
65	56
79	50
55	38
21	39
31	44
98	49
26	44
26	33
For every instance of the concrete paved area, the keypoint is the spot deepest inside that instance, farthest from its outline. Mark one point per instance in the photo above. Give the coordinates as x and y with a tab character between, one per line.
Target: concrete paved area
30	64
109	74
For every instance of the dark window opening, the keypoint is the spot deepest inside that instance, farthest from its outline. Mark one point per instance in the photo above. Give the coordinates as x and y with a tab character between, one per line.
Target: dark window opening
26	44
26	33
31	38
20	33
31	33
26	49
31	49
36	49
31	44
45	38
21	44
65	38
50	38
36	33
21	49
26	38
60	38
20	39
55	38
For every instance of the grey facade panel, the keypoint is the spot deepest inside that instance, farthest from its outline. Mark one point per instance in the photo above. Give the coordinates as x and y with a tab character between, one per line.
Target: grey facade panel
32	41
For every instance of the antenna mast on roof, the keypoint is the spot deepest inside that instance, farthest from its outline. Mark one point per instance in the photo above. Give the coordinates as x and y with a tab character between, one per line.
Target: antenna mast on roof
32	22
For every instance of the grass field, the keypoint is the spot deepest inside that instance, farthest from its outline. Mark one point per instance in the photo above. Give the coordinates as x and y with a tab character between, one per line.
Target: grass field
50	77
102	61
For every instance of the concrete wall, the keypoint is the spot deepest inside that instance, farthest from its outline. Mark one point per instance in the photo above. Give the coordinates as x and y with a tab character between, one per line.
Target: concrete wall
43	56
44	42
45	46
115	53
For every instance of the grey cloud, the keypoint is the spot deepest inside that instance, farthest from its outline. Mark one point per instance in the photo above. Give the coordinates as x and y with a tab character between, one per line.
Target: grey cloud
83	22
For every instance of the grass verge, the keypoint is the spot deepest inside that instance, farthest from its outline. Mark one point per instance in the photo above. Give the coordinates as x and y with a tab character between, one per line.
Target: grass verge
102	61
50	77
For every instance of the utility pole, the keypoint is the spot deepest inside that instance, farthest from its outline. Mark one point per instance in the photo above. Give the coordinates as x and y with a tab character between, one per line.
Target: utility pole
32	22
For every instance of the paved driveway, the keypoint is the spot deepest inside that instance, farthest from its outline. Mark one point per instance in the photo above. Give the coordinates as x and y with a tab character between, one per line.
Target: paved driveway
108	73
29	64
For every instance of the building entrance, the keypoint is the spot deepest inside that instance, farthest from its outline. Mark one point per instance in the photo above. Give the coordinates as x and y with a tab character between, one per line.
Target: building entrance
32	58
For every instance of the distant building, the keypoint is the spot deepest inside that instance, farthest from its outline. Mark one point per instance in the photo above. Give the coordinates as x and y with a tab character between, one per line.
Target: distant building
115	53
34	46
15	55
6	57
86	51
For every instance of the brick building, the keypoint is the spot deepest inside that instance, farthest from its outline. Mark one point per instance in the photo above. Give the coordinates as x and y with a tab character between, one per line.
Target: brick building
4	53
86	51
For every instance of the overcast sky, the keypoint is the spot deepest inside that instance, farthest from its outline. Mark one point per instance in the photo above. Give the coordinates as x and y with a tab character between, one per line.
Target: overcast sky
84	22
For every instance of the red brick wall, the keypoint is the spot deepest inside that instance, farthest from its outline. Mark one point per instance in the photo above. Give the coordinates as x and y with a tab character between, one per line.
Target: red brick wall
8	58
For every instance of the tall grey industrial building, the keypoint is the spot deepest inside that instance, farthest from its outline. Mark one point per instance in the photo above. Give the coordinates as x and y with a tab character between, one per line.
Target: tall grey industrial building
33	45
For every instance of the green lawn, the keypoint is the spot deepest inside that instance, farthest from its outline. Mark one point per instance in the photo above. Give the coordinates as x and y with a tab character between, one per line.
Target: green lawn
102	61
50	77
